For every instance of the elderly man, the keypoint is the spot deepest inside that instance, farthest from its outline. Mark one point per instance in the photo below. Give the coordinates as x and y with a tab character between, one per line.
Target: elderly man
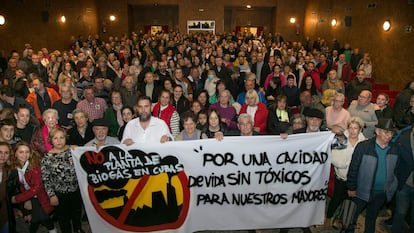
371	176
357	85
364	109
244	126
100	129
145	128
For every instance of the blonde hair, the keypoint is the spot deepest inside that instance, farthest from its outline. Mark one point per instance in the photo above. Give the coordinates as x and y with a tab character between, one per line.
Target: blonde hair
253	93
327	97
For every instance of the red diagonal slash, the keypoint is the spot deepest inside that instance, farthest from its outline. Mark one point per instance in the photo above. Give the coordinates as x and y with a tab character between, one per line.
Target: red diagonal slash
141	184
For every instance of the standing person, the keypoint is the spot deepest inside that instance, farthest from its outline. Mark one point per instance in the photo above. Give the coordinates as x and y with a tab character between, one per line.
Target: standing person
357	85
166	111
145	128
40	142
382	108
179	101
371	179
405	193
190	132
81	133
227	112
341	158
127	115
65	106
94	106
257	111
24	128
214	128
100	129
245	126
42	98
336	114
27	164
278	120
7	131
364	109
59	179
7	221
113	113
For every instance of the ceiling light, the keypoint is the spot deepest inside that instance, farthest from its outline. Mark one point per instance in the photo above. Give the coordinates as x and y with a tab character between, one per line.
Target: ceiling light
333	22
63	19
387	25
2	20
249	6
292	20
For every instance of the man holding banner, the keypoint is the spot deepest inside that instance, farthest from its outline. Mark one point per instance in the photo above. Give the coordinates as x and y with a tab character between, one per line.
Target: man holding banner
145	128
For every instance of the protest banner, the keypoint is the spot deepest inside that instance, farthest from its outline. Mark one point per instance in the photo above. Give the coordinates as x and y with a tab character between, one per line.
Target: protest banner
237	183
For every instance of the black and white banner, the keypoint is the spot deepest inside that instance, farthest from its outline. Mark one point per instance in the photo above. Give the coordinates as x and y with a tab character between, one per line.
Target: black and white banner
237	183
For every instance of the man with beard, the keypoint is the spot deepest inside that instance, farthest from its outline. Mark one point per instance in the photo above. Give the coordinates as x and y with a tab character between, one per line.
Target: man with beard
145	128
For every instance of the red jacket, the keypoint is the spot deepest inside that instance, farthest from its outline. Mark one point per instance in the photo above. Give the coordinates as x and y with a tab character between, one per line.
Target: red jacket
165	114
34	180
260	117
346	72
32	99
316	77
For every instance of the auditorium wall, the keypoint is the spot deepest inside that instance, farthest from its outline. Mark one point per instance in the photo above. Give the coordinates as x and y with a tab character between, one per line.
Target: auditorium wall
37	22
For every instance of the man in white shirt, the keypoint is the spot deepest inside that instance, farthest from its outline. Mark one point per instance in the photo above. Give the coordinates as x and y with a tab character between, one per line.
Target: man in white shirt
145	128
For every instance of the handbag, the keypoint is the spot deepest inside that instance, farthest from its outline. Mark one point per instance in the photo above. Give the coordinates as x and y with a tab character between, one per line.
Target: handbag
346	213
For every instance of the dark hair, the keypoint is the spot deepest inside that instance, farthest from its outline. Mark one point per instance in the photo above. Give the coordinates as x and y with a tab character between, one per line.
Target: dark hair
6	121
9	92
312	90
144	97
185	116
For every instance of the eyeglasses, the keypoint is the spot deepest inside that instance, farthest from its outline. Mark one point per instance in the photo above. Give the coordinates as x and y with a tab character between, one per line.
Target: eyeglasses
364	97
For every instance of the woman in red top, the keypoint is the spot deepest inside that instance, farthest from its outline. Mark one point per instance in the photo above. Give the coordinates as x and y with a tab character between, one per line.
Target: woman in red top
32	192
257	111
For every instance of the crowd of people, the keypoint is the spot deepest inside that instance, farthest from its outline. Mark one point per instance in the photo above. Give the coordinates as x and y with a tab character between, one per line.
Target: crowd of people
168	86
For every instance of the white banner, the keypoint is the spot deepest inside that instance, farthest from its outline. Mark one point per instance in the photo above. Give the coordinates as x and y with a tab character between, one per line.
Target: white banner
238	183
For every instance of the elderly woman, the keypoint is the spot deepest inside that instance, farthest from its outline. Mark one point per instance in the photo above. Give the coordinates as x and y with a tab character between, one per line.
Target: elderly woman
336	114
341	158
61	185
278	117
257	111
227	111
333	83
190	132
81	133
40	141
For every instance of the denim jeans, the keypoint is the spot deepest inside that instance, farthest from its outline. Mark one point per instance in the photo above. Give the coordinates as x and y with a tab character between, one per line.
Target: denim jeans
373	207
404	200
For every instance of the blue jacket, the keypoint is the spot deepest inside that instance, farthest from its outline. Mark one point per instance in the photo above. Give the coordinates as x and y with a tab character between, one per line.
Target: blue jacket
363	168
406	164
